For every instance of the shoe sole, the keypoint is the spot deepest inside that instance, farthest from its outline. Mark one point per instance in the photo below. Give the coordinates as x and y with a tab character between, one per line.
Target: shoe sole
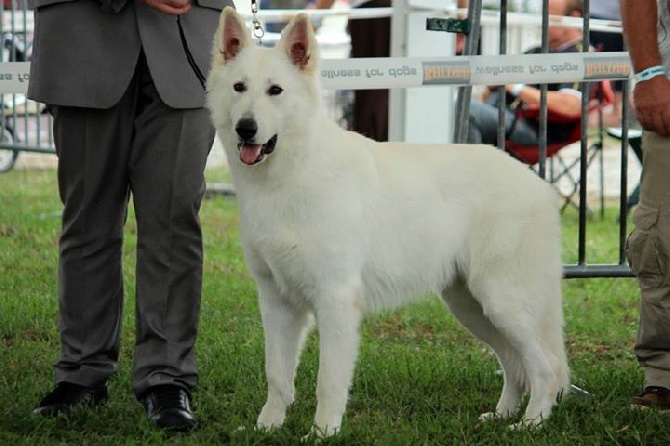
50	412
177	427
649	408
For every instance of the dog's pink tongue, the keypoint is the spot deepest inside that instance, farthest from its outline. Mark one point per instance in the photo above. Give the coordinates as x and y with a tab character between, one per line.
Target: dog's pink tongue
249	153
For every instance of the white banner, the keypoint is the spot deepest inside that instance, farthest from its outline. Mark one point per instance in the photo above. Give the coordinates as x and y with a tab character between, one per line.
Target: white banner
14	77
373	73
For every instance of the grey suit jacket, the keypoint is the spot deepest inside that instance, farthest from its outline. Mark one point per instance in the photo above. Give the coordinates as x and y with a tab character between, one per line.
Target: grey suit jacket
85	51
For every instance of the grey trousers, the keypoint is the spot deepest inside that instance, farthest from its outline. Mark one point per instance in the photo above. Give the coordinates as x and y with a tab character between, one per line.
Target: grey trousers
648	252
142	149
484	126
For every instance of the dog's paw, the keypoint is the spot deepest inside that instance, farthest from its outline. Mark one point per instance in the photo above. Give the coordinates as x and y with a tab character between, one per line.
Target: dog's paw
497	415
270	417
487	416
260	427
310	438
316	434
534	423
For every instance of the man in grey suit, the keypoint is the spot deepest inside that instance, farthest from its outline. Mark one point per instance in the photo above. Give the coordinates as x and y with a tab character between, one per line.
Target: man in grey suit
129	120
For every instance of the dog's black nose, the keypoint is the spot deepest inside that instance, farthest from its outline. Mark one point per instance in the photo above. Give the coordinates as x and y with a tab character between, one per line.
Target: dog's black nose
246	128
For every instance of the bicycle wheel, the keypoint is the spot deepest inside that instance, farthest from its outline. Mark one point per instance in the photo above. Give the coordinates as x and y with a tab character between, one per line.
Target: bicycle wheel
7	156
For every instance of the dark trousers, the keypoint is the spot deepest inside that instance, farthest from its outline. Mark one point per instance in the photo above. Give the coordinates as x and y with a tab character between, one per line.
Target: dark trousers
371	38
484	126
143	149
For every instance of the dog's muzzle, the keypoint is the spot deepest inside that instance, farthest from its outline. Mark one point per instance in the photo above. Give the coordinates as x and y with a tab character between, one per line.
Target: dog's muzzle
251	152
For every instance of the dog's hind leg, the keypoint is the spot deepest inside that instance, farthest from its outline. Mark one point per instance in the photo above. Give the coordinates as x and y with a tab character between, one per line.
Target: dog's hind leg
469	313
285	328
550	336
338	314
518	313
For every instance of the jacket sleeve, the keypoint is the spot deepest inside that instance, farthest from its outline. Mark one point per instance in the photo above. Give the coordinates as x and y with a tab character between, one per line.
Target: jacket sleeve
112	6
214	4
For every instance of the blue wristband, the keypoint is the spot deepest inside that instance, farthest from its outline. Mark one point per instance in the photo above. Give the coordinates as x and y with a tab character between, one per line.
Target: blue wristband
516	89
650	73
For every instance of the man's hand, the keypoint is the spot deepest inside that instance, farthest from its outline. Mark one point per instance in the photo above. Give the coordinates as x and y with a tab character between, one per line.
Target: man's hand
652	103
174	7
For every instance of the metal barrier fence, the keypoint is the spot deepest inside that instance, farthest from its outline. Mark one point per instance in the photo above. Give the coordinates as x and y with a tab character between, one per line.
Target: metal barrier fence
23	124
26	127
618	268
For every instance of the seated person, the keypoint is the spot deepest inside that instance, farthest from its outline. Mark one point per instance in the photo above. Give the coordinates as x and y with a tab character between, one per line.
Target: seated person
562	98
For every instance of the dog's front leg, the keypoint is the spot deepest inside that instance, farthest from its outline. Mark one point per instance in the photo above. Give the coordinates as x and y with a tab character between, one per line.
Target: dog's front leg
285	327
338	317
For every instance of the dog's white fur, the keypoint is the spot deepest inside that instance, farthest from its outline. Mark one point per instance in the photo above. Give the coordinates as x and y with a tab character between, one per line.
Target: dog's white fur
334	224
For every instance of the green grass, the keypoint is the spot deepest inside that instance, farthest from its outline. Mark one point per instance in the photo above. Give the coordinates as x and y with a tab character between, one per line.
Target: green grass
420	380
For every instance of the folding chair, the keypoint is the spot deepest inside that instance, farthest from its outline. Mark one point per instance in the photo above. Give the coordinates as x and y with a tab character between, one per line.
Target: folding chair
601	96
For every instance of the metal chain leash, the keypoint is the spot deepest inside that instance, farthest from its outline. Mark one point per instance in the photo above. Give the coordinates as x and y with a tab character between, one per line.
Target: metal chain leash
258	27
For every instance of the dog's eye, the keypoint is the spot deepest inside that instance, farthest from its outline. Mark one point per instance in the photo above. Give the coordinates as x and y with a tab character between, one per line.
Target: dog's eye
239	87
275	90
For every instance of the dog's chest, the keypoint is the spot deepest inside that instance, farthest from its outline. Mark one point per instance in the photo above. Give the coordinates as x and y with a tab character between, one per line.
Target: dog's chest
278	241
287	258
299	246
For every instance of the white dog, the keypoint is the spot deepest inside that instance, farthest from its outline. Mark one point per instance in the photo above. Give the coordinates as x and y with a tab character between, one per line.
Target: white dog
334	224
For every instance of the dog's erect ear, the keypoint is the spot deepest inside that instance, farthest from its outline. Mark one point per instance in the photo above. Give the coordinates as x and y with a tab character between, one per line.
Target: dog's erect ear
299	42
232	35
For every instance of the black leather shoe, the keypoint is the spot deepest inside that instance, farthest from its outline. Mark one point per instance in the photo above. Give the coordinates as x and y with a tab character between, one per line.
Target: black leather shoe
66	396
169	407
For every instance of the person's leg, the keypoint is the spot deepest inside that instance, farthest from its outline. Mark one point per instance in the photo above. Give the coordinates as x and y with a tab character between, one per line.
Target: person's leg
371	113
371	38
92	160
648	251
93	148
169	154
484	126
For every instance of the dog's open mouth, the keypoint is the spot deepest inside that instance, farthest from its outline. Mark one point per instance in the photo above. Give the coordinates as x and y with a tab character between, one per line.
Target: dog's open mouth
255	153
